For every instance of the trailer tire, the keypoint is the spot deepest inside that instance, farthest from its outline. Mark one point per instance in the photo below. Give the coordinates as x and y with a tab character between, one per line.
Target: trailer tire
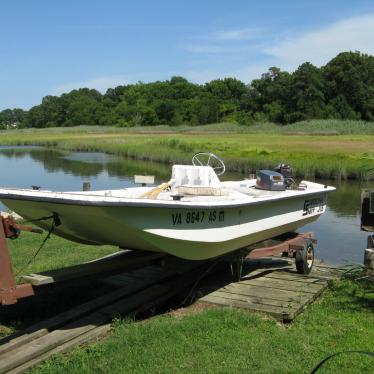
304	258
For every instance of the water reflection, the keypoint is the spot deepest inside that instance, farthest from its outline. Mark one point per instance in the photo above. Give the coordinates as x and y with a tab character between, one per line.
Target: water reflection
338	231
345	202
80	164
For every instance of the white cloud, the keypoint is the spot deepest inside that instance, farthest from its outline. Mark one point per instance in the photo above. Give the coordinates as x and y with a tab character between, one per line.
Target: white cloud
320	46
205	49
263	49
101	84
225	41
236	34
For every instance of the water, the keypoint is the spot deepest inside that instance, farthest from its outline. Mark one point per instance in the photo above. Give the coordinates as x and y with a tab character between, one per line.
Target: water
338	232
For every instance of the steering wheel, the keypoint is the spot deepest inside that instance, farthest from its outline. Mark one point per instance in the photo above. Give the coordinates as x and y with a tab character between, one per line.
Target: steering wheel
209	159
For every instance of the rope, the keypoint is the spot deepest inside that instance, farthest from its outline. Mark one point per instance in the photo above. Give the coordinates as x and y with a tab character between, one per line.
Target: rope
339	353
42	218
189	295
55	222
152	194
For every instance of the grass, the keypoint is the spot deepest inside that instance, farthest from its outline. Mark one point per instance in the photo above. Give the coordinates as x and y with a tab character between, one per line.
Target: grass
57	253
317	127
336	154
211	340
235	341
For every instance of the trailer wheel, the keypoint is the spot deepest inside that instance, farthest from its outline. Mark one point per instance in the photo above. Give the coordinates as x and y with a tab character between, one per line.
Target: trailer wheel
305	258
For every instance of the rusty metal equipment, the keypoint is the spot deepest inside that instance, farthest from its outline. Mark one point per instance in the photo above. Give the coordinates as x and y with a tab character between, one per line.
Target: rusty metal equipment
299	246
293	245
9	291
287	247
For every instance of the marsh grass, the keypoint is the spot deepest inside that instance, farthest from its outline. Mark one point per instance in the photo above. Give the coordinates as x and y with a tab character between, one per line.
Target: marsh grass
325	152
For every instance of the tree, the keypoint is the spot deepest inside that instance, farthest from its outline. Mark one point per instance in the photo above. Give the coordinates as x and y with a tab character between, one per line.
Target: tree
12	117
343	89
351	75
307	99
271	94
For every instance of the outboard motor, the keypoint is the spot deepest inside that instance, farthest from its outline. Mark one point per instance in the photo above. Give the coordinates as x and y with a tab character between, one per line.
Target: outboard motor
270	180
287	172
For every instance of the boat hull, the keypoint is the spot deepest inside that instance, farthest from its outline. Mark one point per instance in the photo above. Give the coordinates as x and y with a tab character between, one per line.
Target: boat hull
190	232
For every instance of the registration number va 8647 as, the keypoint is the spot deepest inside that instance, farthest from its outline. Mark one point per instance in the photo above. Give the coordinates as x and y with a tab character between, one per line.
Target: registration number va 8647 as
196	216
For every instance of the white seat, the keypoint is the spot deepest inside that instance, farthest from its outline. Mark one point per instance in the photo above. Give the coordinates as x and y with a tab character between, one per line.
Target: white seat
195	180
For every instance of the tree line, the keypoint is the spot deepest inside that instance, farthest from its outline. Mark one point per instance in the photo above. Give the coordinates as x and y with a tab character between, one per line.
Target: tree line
342	89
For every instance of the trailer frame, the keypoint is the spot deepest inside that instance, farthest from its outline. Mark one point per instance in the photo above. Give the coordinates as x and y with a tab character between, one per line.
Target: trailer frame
10	292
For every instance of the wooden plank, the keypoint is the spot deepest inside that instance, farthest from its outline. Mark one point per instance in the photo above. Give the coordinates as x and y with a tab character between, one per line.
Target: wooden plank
266	285
290	274
104	329
292	277
281	291
73	334
283	285
308	302
156	274
20	355
265	292
44	327
274	311
123	281
289	304
37	279
126	305
88	337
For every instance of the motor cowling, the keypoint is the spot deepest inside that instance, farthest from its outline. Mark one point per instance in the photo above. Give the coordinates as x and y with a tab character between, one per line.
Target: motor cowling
270	180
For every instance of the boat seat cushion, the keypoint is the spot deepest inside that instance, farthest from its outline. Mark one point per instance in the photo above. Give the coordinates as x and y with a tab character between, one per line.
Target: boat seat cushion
200	191
194	176
195	180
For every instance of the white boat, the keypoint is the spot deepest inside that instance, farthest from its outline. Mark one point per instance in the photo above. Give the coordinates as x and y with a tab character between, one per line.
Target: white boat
193	216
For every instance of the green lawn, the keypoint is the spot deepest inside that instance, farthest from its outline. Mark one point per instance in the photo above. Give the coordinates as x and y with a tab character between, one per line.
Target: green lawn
235	341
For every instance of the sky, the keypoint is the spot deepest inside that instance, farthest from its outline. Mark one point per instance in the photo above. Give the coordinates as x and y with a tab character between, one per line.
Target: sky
48	47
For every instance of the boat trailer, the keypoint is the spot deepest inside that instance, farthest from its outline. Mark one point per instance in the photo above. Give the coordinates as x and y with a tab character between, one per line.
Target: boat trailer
298	246
9	291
